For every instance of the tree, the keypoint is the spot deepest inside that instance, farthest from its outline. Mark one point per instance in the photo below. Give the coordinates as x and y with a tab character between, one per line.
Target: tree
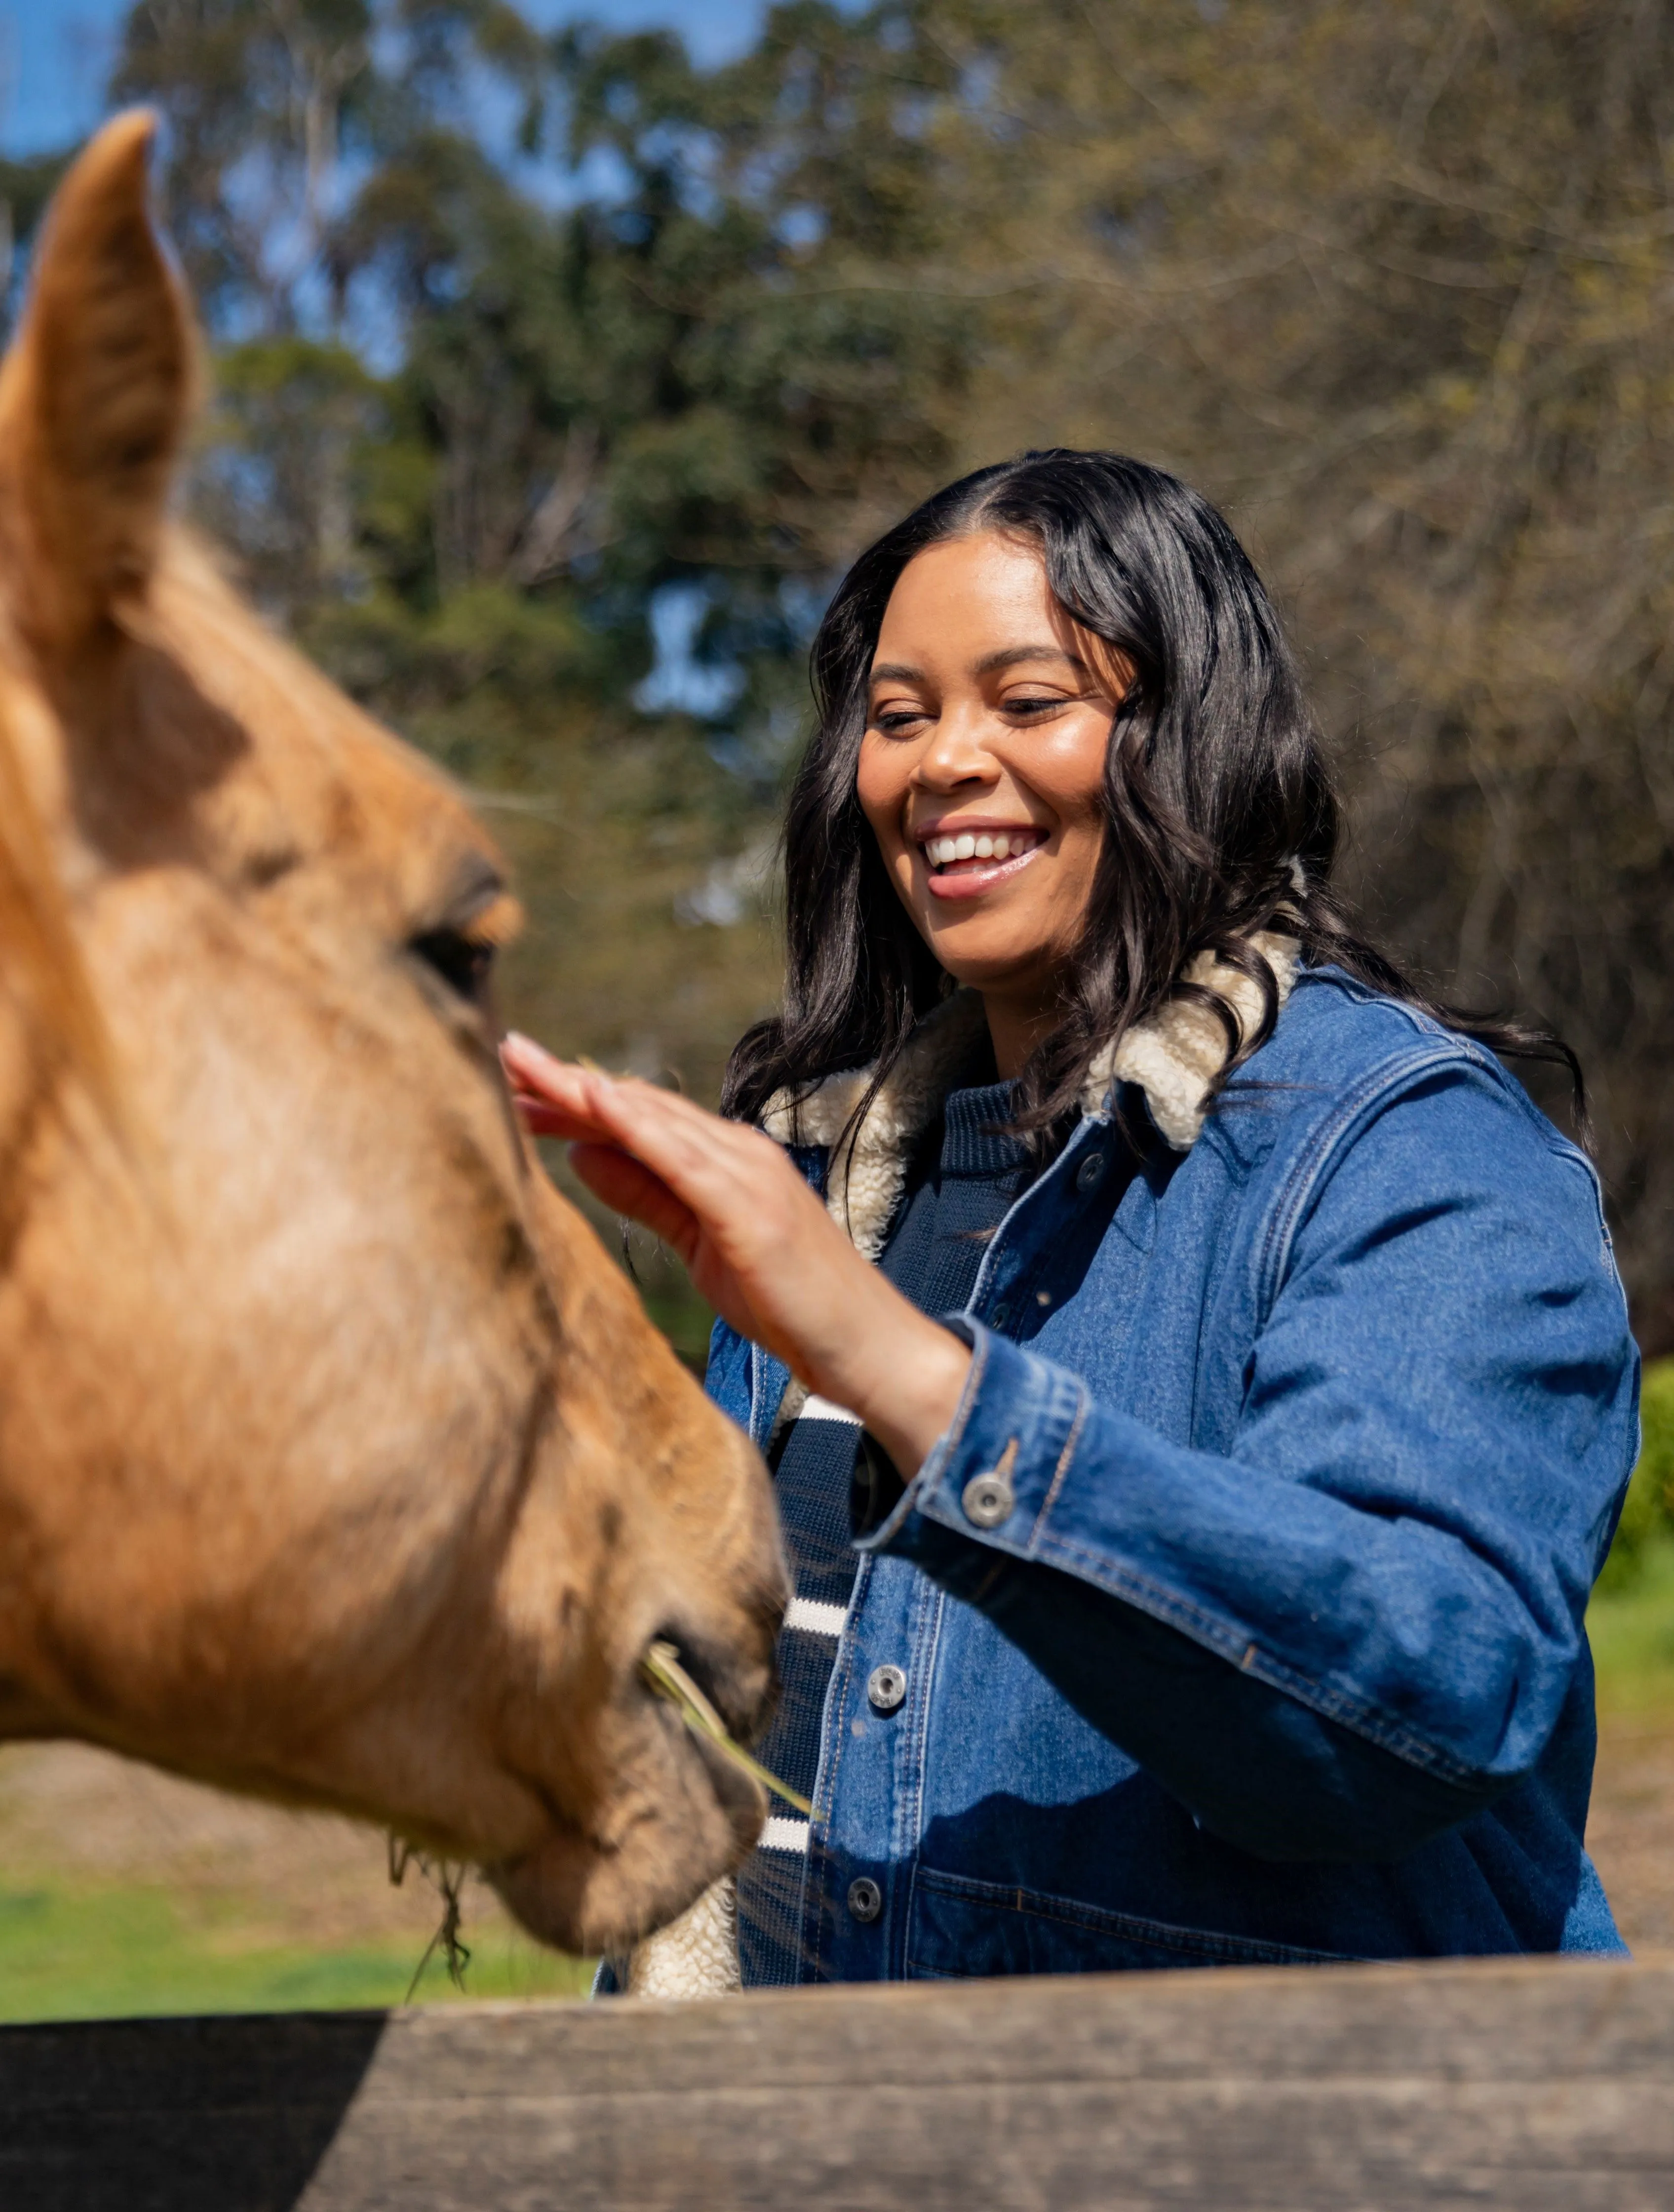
520	336
1393	285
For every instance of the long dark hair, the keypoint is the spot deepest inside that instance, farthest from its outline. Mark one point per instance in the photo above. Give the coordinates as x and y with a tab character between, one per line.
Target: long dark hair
1221	814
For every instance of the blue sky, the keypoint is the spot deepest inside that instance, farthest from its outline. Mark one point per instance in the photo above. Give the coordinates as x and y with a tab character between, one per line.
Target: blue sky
54	54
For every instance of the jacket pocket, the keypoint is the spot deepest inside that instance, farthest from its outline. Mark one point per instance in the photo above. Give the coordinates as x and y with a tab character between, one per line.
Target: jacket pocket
960	1930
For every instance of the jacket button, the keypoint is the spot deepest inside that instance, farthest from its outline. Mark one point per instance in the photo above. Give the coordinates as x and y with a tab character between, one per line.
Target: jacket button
1001	1315
866	1900
987	1499
885	1688
1089	1174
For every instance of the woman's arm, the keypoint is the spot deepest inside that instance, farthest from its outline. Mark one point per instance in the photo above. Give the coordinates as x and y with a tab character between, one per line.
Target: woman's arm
1361	1622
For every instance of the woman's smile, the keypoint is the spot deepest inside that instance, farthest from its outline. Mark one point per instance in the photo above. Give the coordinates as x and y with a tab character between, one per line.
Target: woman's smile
982	773
965	857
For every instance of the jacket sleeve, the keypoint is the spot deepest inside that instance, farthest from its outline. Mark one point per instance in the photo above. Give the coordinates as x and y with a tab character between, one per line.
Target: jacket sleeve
1359	1624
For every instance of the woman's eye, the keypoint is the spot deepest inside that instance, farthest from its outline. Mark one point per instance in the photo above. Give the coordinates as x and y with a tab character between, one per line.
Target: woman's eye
463	962
1032	705
896	720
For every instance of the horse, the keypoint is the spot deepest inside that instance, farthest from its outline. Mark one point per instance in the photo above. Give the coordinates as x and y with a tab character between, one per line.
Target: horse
338	1461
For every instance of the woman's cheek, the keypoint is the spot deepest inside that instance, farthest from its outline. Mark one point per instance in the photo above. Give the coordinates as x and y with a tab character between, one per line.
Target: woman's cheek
1075	887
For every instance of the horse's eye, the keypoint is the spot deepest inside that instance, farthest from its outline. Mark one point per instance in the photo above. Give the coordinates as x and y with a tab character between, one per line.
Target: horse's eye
463	962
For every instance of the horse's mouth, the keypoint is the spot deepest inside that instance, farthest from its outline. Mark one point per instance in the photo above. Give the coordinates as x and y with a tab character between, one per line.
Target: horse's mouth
740	1695
588	1893
689	1815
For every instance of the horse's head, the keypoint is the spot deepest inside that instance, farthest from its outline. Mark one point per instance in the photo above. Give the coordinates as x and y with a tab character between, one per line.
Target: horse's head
337	1462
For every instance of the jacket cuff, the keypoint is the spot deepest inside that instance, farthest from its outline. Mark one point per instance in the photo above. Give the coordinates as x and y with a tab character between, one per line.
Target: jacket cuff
994	1473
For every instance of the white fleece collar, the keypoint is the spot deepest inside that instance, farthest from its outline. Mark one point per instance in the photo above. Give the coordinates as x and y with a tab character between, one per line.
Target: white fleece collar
1174	1056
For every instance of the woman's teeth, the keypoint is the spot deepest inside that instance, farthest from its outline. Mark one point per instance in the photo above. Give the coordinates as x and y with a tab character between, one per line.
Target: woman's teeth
984	845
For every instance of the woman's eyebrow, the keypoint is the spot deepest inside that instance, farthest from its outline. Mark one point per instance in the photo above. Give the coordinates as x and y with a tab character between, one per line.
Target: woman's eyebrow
1010	656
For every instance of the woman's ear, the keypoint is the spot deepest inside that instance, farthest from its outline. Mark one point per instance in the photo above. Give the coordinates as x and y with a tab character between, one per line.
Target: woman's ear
94	396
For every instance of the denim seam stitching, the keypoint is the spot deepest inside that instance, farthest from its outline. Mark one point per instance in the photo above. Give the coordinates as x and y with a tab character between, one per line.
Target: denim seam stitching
821	1858
1305	1178
1240	1648
966	1406
910	1814
927	1642
1102	1920
952	1442
1082	1402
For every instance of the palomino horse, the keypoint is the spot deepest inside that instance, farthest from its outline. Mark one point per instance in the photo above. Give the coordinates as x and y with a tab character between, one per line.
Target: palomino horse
337	1462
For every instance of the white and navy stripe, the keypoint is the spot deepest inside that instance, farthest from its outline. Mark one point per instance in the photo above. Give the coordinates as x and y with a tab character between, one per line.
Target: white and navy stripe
812	1472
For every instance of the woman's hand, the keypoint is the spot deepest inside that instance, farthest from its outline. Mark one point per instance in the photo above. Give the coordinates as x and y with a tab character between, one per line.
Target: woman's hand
757	1243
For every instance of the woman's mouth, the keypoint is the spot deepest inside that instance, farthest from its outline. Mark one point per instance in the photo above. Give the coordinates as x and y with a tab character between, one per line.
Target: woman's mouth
963	863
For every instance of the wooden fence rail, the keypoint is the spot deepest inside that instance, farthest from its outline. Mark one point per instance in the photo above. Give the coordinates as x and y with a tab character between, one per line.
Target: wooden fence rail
1524	2087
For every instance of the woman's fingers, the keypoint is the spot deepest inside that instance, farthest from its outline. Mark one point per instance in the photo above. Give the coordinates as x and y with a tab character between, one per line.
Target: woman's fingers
723	1195
542	1119
710	1165
595	1102
553	1087
626	1187
521	1057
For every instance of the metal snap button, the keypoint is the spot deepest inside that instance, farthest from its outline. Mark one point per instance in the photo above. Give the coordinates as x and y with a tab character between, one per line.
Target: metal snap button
1001	1315
886	1686
987	1499
866	1900
1090	1173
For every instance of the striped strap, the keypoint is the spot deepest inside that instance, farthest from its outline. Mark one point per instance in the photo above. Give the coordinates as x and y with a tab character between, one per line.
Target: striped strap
814	1617
781	1833
826	1409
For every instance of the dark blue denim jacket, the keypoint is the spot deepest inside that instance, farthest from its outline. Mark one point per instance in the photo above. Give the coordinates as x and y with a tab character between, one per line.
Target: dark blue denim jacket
1264	1642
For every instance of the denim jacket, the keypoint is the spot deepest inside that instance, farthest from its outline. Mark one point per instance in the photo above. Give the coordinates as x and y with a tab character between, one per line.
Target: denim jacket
1241	1606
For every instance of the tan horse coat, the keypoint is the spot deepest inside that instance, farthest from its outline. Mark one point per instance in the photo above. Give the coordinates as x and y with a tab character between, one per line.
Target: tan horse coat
336	1460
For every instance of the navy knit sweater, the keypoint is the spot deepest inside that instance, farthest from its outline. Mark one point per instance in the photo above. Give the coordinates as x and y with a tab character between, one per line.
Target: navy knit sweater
963	1180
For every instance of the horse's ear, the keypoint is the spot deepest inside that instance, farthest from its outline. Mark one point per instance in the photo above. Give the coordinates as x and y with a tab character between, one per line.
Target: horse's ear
95	394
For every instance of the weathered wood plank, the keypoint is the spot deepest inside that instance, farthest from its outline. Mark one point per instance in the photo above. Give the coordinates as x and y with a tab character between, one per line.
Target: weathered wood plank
1529	2086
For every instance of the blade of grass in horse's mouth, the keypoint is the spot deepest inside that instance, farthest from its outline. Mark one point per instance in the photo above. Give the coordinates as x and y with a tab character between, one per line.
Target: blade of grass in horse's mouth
666	1678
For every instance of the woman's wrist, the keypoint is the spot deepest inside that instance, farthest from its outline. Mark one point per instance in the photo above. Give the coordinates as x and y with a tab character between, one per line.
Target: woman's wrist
902	1376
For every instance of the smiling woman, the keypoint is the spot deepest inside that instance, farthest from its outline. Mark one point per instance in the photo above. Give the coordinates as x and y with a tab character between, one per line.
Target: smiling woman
1195	1377
982	774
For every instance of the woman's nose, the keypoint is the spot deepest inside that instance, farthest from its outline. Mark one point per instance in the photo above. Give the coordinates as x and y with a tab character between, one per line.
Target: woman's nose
956	752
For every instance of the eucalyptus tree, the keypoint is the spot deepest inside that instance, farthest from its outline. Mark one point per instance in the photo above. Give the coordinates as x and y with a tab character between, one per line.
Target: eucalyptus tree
521	337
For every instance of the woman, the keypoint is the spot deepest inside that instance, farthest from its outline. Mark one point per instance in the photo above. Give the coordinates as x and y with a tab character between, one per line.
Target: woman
1242	1384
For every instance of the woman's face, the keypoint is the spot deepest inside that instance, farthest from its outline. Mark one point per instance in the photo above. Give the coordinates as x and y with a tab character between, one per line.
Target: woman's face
982	766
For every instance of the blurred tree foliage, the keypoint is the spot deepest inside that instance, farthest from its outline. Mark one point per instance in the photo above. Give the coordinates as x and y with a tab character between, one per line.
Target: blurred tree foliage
533	349
1393	284
525	347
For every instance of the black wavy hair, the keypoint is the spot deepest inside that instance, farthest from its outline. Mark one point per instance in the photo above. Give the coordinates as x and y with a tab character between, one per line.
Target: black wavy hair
1219	802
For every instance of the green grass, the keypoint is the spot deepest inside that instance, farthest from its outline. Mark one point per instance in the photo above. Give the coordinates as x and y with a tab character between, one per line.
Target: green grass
87	1951
1631	1630
79	1949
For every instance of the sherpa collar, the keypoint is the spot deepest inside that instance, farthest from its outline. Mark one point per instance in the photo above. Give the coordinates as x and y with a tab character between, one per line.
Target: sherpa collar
1174	1056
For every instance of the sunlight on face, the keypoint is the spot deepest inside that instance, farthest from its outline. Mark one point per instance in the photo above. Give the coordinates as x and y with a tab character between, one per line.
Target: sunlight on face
982	768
